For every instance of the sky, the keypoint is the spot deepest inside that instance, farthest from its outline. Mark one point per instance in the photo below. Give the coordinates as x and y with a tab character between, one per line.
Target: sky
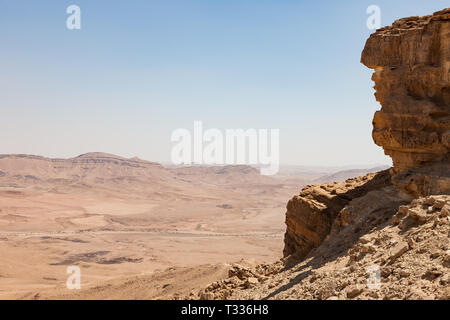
138	70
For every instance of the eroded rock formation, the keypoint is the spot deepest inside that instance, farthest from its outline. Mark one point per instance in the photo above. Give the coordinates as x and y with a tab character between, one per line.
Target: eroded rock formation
310	215
411	60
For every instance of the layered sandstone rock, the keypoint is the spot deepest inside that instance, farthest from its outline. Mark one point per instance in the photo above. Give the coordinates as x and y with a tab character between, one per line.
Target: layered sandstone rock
310	215
411	60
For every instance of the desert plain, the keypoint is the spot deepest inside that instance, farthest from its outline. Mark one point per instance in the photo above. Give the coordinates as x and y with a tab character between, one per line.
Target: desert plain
115	217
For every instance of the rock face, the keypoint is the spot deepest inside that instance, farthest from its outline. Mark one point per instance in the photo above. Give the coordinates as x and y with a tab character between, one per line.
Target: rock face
411	60
400	256
310	215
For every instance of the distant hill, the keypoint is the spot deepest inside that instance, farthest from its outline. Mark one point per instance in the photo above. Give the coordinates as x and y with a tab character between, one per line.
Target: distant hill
103	170
343	175
108	171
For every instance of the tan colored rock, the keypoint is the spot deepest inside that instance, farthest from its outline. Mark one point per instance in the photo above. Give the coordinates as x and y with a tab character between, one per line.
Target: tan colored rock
251	282
310	215
207	296
353	291
411	60
398	250
446	295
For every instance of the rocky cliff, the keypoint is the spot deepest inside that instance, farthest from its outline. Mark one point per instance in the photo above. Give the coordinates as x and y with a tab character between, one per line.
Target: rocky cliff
411	60
311	214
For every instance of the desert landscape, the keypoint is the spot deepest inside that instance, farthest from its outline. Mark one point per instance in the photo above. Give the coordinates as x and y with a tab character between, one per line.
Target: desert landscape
114	217
143	230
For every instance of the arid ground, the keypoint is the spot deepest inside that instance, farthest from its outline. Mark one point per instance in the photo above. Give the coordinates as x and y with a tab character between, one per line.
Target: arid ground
115	217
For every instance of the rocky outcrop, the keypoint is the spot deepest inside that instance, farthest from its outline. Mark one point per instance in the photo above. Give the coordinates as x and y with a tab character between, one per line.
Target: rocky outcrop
411	60
405	255
310	215
431	179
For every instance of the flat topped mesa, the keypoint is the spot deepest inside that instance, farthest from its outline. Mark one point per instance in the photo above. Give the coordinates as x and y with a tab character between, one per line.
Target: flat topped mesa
411	60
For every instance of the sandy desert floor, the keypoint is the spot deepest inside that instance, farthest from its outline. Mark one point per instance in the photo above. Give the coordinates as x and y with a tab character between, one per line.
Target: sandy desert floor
116	218
115	235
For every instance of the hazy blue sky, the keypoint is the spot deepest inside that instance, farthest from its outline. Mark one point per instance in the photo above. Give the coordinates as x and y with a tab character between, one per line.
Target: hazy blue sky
137	70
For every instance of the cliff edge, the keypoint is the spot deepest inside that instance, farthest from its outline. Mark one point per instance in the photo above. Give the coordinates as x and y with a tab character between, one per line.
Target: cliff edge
411	60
